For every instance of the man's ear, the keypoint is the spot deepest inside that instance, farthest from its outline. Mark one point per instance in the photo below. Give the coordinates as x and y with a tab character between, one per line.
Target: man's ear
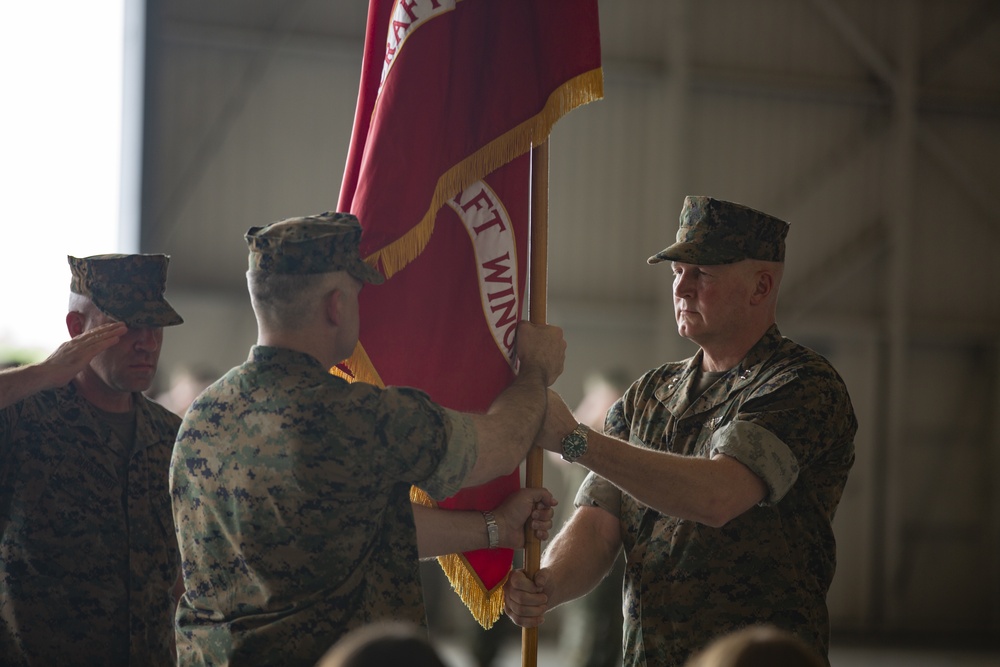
763	286
74	323
332	306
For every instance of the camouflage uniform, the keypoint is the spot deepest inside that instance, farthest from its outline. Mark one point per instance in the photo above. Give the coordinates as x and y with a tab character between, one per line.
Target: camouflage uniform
291	486
88	555
85	578
291	499
785	414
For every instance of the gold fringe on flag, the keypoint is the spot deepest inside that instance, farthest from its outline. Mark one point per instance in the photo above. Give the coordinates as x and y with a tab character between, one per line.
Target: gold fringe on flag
579	90
486	606
361	367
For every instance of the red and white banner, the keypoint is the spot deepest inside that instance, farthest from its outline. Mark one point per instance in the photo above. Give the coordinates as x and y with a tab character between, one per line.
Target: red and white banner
453	96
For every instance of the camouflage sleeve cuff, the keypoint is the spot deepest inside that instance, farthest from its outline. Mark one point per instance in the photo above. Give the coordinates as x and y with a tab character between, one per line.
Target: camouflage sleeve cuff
460	456
595	491
762	452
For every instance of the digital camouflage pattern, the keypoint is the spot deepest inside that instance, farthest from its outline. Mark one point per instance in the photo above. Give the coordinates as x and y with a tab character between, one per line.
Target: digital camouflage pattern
129	288
87	558
785	413
313	244
291	502
713	231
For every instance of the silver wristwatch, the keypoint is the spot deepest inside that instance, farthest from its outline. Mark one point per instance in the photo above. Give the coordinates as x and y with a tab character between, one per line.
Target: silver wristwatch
492	529
574	445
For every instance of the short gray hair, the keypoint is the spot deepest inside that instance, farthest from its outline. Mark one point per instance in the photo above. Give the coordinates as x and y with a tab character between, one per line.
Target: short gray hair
285	301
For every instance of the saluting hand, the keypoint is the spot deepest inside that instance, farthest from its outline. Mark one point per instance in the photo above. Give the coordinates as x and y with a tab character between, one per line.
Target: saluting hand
73	356
59	367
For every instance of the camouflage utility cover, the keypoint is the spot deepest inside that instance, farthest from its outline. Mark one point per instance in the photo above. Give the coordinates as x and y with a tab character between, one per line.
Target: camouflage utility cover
713	231
321	243
785	413
87	559
291	501
129	288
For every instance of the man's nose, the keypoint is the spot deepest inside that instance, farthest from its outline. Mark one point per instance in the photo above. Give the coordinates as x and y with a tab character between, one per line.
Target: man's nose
683	285
146	339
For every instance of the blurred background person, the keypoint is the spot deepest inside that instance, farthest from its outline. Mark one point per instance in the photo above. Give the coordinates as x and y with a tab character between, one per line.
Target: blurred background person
382	645
756	646
186	383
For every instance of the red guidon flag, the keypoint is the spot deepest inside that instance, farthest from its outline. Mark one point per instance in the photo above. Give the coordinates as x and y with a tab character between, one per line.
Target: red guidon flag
453	96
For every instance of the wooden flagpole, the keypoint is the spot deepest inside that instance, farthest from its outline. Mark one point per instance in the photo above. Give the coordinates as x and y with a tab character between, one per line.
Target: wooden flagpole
537	290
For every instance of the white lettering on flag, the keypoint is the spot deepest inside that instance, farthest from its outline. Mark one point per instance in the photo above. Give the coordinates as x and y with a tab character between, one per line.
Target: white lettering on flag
488	225
407	16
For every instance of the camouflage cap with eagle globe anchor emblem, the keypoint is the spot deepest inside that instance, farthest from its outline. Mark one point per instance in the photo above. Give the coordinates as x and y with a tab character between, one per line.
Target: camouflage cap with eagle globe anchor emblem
321	243
128	288
713	231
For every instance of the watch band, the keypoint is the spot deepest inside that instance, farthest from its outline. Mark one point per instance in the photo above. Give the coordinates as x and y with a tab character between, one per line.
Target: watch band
492	529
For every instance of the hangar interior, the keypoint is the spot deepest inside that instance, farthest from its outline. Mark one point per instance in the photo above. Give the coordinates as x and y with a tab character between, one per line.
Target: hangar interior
873	128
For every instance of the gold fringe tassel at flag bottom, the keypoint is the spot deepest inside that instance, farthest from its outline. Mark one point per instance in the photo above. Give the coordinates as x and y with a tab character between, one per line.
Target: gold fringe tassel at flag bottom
486	606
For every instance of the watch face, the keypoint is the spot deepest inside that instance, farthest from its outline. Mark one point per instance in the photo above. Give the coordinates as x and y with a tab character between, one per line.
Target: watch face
574	445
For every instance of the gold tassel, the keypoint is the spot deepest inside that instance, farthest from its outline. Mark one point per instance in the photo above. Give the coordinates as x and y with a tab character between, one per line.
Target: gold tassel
361	366
486	606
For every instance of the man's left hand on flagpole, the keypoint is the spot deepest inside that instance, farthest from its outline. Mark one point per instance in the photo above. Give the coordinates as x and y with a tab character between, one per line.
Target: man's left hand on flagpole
523	508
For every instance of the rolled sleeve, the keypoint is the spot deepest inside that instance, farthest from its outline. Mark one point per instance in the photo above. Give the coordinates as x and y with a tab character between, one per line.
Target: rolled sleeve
762	452
460	456
595	491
